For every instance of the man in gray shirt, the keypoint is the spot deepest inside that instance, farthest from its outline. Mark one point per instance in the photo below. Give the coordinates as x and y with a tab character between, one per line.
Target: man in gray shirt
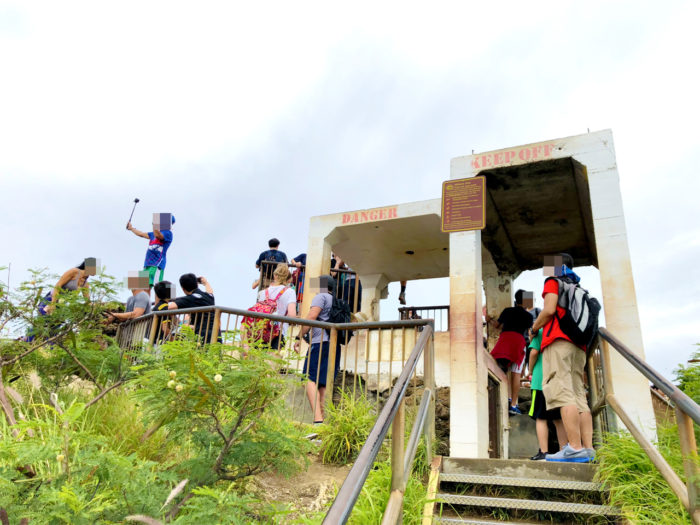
140	301
315	365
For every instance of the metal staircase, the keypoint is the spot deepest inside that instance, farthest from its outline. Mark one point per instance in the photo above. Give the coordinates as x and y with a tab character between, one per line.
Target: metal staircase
487	491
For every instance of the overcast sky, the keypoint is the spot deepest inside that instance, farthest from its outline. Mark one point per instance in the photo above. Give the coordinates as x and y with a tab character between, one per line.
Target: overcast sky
244	120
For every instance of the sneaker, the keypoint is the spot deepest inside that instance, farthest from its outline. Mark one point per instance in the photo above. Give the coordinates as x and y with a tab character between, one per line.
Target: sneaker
402	298
540	456
569	455
591	453
515	411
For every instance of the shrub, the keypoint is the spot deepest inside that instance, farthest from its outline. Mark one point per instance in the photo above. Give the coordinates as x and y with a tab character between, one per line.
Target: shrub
346	428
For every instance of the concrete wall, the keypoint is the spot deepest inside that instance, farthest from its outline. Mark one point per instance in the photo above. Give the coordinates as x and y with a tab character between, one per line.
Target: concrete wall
597	154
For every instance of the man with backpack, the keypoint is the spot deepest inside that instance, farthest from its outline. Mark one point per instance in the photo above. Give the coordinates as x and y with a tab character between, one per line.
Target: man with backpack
563	347
324	307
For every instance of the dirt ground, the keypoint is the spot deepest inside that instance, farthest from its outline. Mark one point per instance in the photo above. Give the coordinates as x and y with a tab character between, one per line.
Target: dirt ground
305	493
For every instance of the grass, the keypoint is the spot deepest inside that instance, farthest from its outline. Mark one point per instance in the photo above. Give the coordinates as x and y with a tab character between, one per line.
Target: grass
373	499
634	484
346	428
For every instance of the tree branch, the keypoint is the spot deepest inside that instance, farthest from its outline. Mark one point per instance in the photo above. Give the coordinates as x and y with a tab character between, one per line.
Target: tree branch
32	349
81	365
103	393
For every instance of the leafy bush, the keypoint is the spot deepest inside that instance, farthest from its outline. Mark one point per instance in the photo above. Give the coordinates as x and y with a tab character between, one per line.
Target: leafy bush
688	377
92	434
346	428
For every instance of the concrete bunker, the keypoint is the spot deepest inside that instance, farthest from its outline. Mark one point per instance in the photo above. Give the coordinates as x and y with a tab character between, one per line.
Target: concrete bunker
544	198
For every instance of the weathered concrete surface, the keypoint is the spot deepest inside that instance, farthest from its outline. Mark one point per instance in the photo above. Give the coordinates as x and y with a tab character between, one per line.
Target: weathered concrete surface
519	469
592	194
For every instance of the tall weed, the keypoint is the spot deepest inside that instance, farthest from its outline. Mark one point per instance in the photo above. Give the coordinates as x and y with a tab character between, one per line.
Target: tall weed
346	428
374	497
635	485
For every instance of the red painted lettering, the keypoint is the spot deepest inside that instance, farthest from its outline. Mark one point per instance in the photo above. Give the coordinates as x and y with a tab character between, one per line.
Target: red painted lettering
509	156
382	214
365	217
486	162
392	213
497	159
548	150
373	215
524	154
346	218
475	164
355	218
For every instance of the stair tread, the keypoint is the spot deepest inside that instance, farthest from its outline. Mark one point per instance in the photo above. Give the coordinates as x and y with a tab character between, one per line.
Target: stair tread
520	468
520	481
478	521
527	504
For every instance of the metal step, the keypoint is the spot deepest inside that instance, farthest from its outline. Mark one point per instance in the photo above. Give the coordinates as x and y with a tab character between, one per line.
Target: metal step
521	482
528	504
477	521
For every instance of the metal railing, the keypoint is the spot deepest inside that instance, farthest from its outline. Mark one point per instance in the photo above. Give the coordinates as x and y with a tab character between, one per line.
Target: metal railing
440	314
393	414
369	363
348	285
605	406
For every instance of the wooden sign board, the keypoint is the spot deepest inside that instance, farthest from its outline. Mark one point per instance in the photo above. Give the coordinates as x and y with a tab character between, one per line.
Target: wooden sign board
464	204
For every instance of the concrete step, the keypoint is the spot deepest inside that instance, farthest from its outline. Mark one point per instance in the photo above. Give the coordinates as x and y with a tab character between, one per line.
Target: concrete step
478	521
508	481
526	504
520	469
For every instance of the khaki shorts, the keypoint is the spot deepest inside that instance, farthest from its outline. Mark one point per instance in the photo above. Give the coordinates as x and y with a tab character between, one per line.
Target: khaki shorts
562	372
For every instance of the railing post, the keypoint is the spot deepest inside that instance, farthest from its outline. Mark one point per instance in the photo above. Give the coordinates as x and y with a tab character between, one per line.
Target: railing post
152	334
217	326
330	369
686	433
429	381
610	416
398	480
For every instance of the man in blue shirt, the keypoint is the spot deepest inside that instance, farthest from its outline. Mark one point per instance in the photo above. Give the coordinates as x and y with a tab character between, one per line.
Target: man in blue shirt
159	240
272	255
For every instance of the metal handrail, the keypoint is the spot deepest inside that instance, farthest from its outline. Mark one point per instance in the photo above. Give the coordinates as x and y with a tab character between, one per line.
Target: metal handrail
678	397
407	323
687	412
352	486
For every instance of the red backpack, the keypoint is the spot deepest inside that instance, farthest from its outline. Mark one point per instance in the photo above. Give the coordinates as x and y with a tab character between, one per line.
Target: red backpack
264	329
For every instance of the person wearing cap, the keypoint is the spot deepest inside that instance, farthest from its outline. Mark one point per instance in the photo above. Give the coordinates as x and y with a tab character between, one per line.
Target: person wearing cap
159	240
316	361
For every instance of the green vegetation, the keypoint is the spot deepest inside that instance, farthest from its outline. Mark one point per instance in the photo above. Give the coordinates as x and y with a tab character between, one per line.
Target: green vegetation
634	483
346	428
370	506
92	434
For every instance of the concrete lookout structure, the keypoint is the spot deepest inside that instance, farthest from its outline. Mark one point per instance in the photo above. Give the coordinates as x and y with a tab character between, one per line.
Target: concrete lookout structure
561	195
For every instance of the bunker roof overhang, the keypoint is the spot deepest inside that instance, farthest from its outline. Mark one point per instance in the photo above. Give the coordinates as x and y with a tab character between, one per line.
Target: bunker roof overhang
402	242
532	210
537	209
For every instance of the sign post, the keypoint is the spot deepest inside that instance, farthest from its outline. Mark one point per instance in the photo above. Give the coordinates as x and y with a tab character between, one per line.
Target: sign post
464	204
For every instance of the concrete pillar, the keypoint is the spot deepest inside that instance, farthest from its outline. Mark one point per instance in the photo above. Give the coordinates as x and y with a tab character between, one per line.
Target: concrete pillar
619	297
374	288
498	292
469	429
318	261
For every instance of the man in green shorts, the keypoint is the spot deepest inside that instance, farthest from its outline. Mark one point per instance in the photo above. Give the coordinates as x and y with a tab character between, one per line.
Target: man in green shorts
159	240
538	408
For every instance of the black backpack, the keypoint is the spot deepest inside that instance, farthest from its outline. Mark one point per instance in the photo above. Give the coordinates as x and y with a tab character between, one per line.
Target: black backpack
340	313
580	319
